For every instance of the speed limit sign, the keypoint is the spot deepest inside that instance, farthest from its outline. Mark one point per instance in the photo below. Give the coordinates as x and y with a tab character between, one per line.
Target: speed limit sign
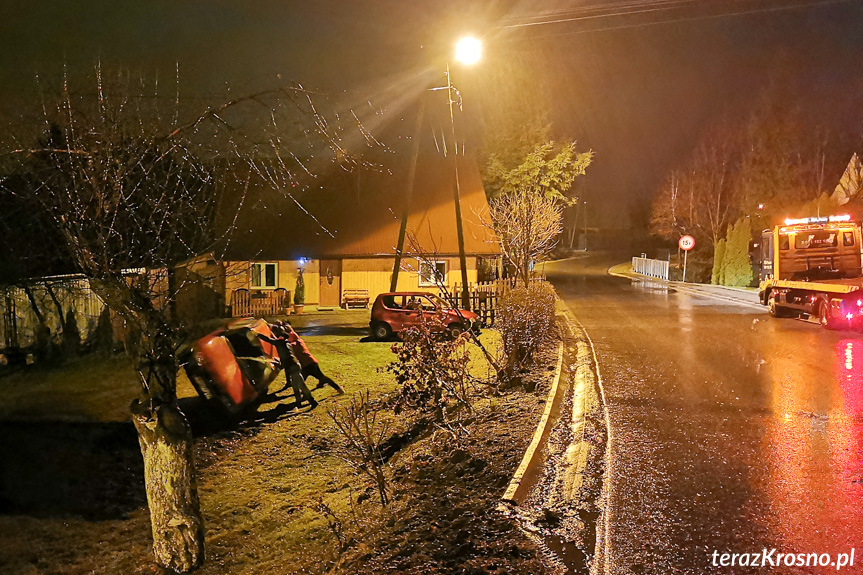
686	243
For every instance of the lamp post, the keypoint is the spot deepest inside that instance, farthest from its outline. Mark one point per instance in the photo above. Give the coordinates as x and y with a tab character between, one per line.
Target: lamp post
468	51
585	225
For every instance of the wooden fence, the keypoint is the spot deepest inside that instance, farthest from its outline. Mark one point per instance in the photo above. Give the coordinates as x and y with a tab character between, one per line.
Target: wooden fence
258	304
484	296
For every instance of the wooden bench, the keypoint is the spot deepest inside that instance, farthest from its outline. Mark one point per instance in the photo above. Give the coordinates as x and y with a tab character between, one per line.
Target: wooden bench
355	298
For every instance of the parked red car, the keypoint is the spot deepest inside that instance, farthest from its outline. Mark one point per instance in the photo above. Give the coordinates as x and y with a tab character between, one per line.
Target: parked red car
396	311
231	365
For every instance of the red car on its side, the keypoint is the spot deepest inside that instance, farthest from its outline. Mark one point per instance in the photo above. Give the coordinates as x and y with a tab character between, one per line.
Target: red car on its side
396	311
231	365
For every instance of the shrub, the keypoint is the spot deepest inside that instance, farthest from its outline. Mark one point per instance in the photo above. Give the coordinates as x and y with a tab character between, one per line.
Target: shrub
525	319
432	370
300	291
101	336
718	275
699	265
357	423
738	269
71	334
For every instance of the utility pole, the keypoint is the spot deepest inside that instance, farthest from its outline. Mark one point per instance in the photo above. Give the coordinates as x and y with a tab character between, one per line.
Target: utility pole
574	231
465	294
585	225
412	171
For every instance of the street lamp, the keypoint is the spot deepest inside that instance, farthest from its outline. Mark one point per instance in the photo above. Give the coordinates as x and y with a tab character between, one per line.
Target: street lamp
468	51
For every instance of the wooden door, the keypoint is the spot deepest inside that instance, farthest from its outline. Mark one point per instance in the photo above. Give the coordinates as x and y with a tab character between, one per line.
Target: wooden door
331	283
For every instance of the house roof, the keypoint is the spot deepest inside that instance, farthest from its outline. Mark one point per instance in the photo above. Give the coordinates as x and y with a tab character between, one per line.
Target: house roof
359	214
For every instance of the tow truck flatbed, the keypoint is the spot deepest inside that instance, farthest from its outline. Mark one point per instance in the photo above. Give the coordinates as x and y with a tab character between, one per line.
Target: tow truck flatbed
845	285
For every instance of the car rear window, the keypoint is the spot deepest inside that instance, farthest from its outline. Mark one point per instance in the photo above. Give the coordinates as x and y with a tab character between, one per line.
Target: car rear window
392	301
812	240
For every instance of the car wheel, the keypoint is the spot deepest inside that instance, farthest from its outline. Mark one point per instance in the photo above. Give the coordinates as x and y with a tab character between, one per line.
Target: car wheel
776	310
382	331
454	330
824	316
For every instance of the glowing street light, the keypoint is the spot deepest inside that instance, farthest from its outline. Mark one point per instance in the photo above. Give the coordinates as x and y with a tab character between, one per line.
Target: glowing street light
468	50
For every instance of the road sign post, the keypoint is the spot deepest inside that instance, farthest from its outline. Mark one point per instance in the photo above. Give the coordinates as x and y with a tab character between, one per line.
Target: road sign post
685	243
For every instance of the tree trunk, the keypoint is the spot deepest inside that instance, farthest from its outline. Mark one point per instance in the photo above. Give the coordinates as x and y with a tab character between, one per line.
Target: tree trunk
163	432
172	495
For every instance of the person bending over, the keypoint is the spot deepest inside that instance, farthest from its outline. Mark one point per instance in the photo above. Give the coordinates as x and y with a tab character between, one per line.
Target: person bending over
289	363
309	365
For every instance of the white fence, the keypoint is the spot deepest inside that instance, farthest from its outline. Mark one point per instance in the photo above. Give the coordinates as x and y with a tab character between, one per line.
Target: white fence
652	268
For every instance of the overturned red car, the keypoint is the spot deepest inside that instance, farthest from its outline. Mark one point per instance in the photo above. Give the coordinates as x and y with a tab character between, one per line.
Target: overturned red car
232	366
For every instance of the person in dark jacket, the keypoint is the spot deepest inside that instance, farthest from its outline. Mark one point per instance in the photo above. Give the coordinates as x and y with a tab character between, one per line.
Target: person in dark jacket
293	371
308	364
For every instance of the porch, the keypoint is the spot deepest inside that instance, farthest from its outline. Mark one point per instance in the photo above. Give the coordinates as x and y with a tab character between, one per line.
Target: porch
247	303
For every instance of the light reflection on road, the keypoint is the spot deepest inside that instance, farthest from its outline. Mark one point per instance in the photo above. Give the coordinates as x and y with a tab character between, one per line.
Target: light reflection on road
812	450
734	430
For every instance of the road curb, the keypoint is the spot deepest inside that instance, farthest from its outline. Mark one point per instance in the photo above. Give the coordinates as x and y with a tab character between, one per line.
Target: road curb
509	495
577	479
693	288
587	377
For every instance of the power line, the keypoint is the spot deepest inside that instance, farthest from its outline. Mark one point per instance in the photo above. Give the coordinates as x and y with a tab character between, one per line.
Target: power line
602	11
680	3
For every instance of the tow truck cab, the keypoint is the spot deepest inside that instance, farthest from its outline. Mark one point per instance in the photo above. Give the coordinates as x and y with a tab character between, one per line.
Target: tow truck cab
813	266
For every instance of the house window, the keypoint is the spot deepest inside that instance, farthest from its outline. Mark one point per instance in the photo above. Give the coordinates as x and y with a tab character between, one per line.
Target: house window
432	273
265	276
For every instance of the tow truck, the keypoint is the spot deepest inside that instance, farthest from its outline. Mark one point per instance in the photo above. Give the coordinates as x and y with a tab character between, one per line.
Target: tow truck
813	268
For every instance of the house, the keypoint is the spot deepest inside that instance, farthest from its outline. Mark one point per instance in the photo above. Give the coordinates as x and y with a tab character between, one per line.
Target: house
845	198
347	240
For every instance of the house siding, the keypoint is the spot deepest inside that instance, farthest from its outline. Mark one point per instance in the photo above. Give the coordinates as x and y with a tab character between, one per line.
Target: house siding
238	276
372	273
375	274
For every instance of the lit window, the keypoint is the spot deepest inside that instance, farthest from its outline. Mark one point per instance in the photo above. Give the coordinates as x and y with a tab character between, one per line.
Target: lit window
265	276
432	273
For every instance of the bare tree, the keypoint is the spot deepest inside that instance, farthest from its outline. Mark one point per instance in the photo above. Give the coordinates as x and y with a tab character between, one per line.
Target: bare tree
427	258
527	207
666	219
527	226
358	424
698	198
132	191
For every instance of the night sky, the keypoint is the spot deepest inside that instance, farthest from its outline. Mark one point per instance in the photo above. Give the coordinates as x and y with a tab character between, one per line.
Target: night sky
637	88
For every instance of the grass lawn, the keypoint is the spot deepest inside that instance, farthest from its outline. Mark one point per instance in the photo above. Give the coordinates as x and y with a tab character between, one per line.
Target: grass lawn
91	388
275	495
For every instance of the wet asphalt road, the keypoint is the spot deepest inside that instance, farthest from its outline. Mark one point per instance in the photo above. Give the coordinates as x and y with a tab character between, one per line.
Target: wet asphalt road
731	431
